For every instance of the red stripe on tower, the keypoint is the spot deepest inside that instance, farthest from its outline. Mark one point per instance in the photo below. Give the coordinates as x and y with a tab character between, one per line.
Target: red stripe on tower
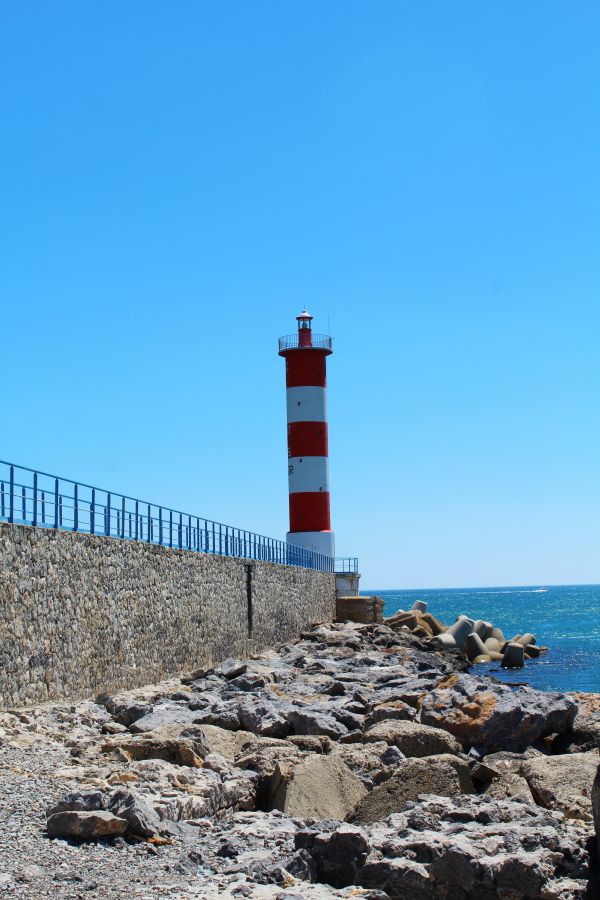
308	458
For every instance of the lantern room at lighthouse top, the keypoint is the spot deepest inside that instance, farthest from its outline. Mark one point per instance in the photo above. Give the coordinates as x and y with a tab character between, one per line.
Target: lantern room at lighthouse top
305	339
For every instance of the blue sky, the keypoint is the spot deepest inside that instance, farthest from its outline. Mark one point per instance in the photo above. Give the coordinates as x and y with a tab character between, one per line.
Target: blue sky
178	180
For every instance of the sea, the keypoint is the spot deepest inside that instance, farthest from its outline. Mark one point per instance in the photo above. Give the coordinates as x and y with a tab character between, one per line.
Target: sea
564	618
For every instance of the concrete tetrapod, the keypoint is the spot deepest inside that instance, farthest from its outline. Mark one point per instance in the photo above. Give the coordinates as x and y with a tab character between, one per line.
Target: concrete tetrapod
444	640
514	656
498	635
525	639
482	629
461	628
419	605
474	646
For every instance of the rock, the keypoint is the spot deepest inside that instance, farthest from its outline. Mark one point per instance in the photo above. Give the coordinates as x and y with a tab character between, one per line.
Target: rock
509	787
164	714
142	820
307	722
318	787
412	777
390	709
456	848
564	782
229	744
586	727
161	743
231	668
125	708
596	809
494	716
85	826
264	719
413	738
81	801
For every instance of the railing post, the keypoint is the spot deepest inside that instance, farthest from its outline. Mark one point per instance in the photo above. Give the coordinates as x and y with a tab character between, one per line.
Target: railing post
180	530
24	503
35	499
75	508
160	526
43	505
189	542
11	496
149	524
56	502
107	514
93	512
122	517
197	535
137	519
170	528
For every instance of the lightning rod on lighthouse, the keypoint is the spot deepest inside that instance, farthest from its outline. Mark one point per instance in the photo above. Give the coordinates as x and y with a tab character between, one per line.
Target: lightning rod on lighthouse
305	357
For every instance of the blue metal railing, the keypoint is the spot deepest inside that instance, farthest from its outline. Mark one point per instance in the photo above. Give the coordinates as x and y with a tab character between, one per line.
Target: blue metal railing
30	497
346	565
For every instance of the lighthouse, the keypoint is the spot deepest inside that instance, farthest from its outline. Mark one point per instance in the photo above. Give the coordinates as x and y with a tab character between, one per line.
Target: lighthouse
305	357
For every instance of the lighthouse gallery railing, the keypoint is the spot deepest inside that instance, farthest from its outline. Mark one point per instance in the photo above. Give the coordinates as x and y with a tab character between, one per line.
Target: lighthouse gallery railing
31	497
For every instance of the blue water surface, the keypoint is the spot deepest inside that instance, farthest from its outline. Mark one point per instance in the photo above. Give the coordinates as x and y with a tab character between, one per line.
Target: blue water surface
566	619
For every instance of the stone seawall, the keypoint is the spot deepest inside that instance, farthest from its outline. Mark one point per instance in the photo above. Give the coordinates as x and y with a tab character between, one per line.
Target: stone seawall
81	613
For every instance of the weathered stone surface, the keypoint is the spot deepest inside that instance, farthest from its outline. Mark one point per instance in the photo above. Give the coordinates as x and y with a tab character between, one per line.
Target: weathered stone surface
463	847
494	716
596	809
308	721
564	782
509	787
359	609
318	787
412	777
413	738
85	826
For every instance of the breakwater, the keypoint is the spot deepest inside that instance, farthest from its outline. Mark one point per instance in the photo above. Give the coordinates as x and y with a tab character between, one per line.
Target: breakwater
565	618
83	613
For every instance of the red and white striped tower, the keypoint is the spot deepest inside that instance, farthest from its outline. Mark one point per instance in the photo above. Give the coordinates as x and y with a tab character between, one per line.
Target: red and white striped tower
308	468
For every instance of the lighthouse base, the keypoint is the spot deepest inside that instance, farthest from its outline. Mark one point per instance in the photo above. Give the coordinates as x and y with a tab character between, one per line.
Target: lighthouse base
319	541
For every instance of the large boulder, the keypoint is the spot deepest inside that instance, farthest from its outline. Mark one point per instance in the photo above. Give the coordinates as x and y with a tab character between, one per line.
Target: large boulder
564	782
412	738
430	775
596	808
85	826
494	716
142	819
317	787
586	727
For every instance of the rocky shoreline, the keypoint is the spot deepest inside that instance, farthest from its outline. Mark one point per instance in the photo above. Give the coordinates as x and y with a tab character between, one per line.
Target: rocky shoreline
360	760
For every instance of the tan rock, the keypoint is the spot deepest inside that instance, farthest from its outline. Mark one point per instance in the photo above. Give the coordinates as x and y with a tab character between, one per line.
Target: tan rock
564	782
411	778
319	787
510	787
85	826
412	738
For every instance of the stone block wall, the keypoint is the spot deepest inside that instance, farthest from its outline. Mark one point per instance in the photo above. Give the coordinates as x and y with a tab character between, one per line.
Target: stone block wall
81	613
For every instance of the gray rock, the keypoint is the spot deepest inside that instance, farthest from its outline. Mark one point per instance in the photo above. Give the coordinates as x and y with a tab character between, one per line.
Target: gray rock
82	801
307	721
231	668
141	818
164	714
482	713
85	826
413	738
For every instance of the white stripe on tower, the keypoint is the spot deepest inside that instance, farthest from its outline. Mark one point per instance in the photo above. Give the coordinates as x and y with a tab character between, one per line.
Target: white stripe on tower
306	404
308	474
